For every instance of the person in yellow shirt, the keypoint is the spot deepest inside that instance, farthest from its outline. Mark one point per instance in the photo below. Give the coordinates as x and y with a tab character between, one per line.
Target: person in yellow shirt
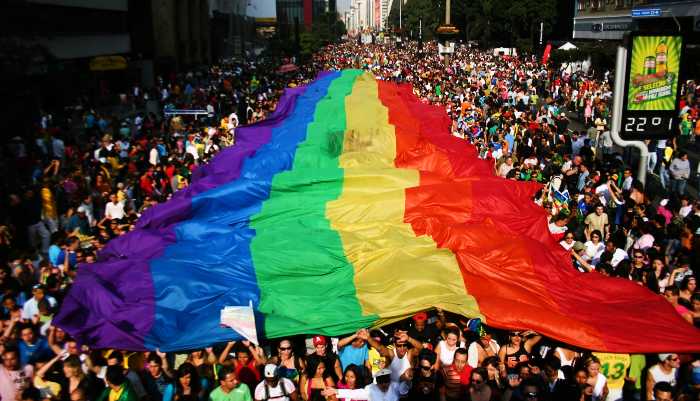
118	388
375	359
48	206
614	367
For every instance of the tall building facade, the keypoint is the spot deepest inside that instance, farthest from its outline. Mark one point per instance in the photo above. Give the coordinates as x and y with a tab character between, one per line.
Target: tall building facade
302	12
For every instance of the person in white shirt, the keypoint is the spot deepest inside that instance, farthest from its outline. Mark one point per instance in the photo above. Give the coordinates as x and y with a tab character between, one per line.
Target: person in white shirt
13	378
274	387
114	209
153	156
31	307
383	390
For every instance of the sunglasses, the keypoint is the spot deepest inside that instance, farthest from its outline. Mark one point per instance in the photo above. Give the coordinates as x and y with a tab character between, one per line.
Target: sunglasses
425	367
401	345
285	348
477	381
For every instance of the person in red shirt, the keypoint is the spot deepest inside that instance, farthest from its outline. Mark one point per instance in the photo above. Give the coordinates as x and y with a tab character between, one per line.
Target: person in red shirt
454	379
247	362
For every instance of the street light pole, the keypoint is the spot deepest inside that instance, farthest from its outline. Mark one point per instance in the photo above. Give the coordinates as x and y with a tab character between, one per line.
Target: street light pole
447	23
616	123
400	17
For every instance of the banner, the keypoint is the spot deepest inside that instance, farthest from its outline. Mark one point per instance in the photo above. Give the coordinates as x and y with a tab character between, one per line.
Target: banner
654	70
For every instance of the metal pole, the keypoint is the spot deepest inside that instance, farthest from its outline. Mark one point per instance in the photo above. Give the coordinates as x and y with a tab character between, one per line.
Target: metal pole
616	123
447	12
541	31
447	22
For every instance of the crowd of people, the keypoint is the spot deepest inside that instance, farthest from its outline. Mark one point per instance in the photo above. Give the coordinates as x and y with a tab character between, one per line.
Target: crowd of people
83	178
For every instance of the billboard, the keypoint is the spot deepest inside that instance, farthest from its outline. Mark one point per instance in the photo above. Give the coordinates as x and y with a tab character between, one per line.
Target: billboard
651	86
654	68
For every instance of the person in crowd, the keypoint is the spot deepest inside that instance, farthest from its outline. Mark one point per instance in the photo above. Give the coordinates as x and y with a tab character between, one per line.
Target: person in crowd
79	178
188	385
157	380
483	348
666	371
276	388
399	356
246	363
290	366
595	378
329	358
455	377
118	386
315	379
353	379
230	388
353	349
384	389
518	349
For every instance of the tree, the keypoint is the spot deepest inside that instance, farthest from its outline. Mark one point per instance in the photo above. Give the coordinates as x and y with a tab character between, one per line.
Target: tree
493	22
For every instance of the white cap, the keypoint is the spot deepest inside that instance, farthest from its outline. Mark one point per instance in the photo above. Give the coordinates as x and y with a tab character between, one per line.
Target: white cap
82	209
663	202
383	372
270	371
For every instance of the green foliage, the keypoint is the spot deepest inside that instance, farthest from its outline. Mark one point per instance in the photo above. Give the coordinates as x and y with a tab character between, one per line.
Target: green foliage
309	43
512	23
327	28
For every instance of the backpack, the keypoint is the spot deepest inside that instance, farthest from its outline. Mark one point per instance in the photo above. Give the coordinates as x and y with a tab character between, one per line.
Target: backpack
284	389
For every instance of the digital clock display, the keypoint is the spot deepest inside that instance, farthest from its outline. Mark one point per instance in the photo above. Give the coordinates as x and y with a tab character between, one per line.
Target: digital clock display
651	87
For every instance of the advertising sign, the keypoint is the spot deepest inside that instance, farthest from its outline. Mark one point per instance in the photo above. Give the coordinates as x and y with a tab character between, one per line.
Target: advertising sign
651	86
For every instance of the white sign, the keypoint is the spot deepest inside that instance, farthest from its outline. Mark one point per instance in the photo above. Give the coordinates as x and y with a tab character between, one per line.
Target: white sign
449	49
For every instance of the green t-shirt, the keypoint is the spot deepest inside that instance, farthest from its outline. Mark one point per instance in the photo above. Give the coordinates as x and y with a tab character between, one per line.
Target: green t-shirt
637	363
240	393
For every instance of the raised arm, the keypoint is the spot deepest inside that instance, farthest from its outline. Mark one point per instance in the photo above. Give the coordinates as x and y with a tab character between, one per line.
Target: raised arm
41	372
225	352
347	340
383	351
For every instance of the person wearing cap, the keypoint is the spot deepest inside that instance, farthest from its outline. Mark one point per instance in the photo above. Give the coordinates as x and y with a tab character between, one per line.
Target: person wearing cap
399	356
78	223
679	273
483	348
230	387
275	388
664	371
422	330
329	358
577	251
31	307
384	389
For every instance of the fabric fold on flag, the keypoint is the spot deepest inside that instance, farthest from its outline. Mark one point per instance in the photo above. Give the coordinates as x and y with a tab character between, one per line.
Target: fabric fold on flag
353	206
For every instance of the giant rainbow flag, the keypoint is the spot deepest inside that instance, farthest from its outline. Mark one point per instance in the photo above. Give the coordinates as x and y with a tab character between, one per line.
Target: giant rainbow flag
353	206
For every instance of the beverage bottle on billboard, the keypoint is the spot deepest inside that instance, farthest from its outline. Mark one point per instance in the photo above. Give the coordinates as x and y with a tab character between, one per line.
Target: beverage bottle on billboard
661	50
649	65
